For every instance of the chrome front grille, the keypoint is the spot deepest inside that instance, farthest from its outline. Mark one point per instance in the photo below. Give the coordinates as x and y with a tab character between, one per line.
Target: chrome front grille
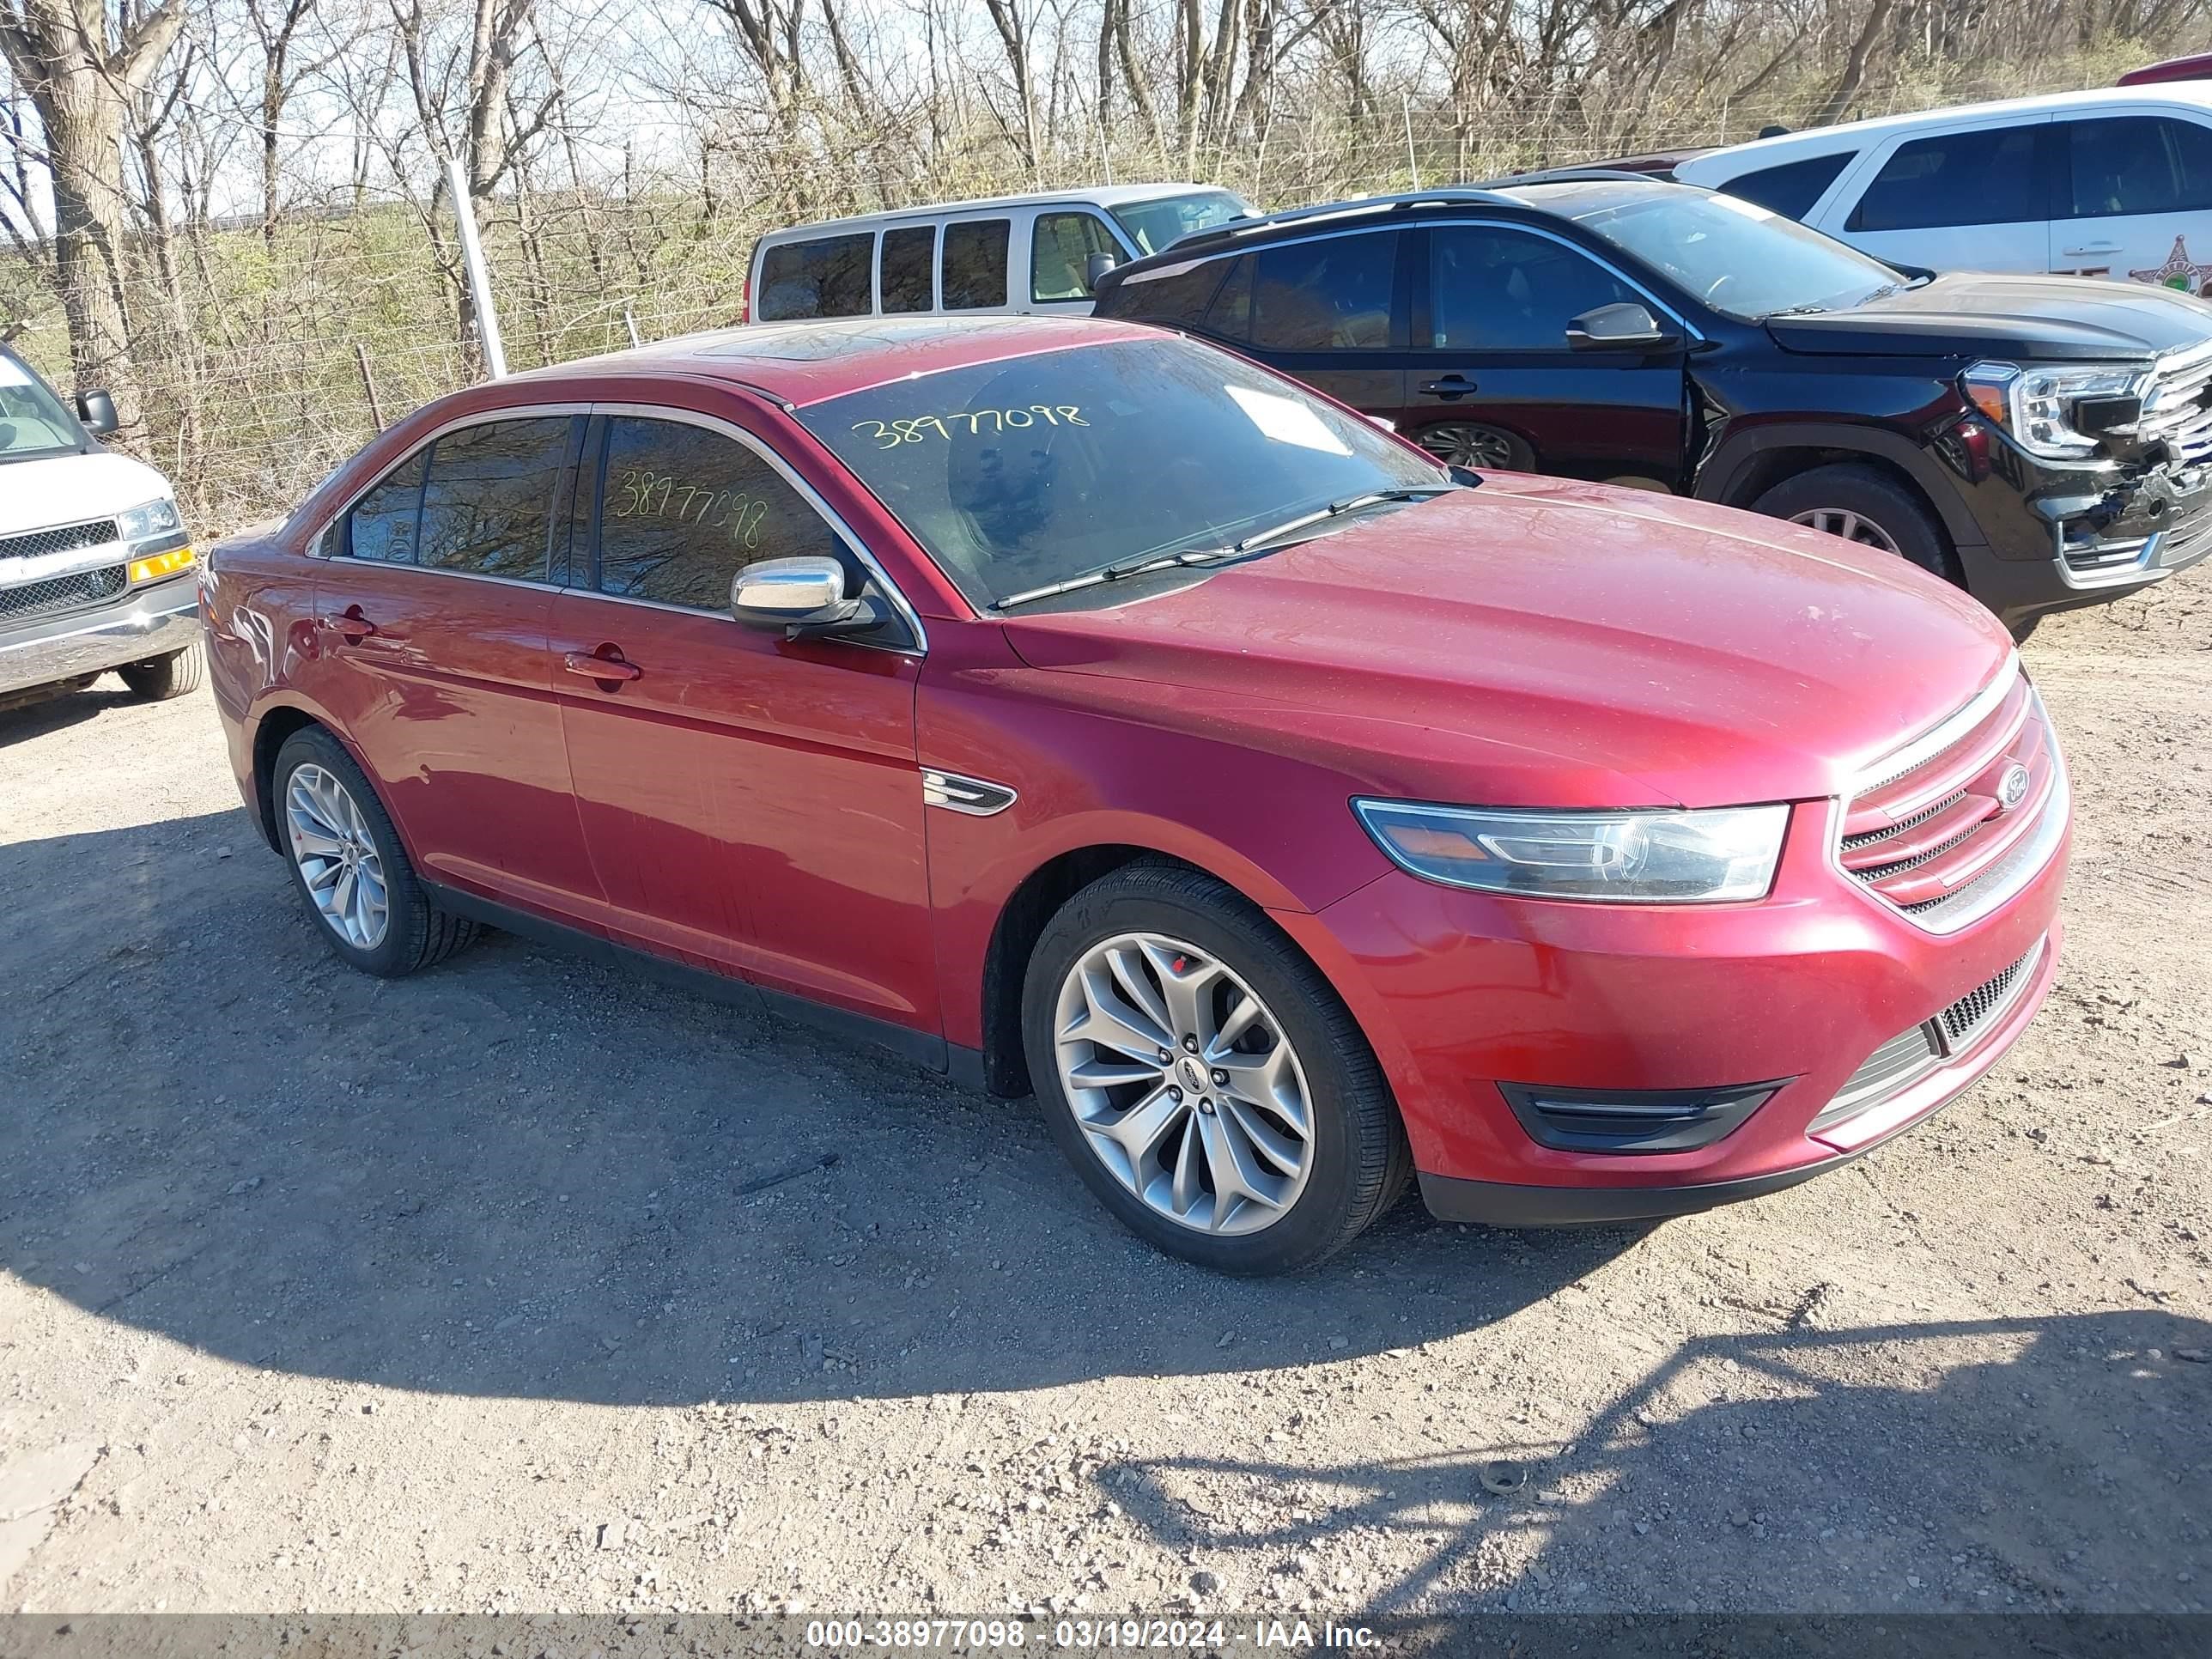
60	593
1961	819
2178	407
62	538
1913	1053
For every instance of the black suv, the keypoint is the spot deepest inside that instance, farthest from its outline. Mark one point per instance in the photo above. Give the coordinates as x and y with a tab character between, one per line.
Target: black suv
2039	441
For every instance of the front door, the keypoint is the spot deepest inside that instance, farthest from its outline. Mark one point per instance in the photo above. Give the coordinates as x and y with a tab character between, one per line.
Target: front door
1497	385
431	656
1972	199
2134	201
752	804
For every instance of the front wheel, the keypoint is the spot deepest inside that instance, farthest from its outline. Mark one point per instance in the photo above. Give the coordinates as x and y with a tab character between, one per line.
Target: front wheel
1204	1079
1471	444
1864	505
160	679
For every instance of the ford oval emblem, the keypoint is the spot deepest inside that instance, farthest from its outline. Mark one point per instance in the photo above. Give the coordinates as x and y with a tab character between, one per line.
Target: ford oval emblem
2012	788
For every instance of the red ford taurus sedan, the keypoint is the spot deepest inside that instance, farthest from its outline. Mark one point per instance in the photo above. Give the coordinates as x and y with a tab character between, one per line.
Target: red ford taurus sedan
1081	709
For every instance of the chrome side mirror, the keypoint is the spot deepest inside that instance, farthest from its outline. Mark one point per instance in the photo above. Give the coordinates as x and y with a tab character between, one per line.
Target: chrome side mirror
800	595
1624	326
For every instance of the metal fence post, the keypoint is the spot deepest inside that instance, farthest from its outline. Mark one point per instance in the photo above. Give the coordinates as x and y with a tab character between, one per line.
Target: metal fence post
479	279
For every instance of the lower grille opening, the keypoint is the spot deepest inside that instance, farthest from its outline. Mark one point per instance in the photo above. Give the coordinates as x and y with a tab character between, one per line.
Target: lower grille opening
59	593
1632	1120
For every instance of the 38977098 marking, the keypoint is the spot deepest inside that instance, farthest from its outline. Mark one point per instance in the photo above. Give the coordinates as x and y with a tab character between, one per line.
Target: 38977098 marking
997	1635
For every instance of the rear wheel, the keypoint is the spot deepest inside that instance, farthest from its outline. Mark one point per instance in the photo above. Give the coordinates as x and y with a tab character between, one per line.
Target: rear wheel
350	865
1203	1077
159	679
1864	505
1484	448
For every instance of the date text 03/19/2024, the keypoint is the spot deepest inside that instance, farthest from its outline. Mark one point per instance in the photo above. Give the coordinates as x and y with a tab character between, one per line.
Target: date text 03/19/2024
1079	1635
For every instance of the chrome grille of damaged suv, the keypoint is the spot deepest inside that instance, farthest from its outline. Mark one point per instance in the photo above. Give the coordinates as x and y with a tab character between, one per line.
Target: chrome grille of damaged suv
1929	832
2178	407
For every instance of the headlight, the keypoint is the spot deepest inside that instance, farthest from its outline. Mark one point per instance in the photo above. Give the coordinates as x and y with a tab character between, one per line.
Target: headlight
2057	413
144	523
1607	858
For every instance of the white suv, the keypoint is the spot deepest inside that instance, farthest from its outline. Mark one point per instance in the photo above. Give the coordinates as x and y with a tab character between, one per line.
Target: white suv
2113	182
96	572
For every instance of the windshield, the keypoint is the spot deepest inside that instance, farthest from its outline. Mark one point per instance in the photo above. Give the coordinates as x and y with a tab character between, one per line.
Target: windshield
1740	260
32	420
1017	475
1155	225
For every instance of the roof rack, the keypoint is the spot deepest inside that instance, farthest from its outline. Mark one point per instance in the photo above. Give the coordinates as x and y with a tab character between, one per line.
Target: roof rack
1576	175
1411	202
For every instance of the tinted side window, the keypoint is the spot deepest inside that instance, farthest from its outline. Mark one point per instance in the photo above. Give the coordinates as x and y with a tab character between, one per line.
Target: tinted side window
1988	177
1331	294
2138	164
489	505
906	257
826	277
382	524
683	508
1505	290
1180	299
1792	188
1061	247
974	276
1231	313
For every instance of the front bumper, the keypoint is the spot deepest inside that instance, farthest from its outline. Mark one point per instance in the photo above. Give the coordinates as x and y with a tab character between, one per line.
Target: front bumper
138	624
2063	534
1459	992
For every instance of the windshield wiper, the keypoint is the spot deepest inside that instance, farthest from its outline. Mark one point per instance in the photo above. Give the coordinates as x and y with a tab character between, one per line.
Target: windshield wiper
1793	311
1144	564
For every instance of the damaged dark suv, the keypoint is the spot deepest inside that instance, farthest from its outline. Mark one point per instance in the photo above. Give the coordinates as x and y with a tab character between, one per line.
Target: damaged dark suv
2039	441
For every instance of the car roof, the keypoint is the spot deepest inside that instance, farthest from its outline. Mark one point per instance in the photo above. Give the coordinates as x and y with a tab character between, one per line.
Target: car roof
801	363
1105	196
1731	162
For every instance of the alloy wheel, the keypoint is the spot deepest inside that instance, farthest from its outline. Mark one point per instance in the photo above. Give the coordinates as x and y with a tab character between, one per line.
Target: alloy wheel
337	855
1851	527
1478	446
1184	1084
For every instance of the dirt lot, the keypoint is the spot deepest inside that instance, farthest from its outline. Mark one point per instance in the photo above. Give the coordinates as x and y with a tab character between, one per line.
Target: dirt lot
524	1285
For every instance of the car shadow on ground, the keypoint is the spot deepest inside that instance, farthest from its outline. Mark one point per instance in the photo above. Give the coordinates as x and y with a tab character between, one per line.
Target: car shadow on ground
526	1174
50	714
2012	1465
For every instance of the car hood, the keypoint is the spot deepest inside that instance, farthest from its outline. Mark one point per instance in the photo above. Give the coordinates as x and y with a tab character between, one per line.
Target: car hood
2051	318
1544	642
70	488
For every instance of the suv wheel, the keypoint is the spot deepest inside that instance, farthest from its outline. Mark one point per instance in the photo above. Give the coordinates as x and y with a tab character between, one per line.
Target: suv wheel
176	675
350	865
1865	506
1469	443
1204	1079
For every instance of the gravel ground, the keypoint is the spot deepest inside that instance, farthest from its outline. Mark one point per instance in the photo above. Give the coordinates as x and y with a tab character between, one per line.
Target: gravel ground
526	1284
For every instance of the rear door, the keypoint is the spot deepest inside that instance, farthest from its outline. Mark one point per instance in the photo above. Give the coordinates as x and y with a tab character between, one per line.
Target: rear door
431	656
974	265
1495	384
2134	199
751	803
1974	197
1330	310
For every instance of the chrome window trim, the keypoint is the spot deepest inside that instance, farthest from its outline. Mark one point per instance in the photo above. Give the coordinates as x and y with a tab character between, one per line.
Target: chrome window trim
805	491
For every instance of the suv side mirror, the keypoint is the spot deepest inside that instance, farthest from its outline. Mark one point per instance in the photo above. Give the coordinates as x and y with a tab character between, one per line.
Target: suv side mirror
1624	326
1096	267
96	409
801	596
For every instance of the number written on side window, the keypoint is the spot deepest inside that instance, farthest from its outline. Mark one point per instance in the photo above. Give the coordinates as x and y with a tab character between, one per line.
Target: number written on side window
683	508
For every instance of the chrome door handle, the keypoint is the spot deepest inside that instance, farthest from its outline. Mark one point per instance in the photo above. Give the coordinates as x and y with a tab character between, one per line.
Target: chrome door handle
592	666
348	625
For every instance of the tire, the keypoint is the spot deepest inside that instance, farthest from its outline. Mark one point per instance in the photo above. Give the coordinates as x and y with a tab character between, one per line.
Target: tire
1888	515
1476	444
177	675
1355	1162
414	933
2020	630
